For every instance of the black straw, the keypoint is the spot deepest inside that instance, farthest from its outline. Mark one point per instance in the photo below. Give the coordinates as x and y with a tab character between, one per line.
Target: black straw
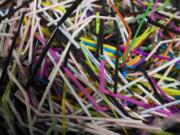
47	46
158	96
163	27
100	39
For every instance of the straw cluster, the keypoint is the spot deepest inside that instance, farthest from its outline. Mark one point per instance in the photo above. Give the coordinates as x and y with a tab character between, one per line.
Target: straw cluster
99	67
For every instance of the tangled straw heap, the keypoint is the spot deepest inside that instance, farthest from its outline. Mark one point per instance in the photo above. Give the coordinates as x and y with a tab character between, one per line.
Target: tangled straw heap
98	67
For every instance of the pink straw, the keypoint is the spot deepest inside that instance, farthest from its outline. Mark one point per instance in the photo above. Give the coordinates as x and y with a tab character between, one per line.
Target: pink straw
119	96
84	91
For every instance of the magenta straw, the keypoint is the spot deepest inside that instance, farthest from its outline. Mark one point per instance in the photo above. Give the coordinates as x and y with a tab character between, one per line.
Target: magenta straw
119	96
84	91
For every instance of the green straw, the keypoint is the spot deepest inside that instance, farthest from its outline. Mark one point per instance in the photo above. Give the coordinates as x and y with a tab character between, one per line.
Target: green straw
140	26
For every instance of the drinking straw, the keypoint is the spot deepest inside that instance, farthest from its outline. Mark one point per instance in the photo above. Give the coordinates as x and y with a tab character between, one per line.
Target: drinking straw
89	67
139	28
125	23
99	108
66	15
14	10
9	57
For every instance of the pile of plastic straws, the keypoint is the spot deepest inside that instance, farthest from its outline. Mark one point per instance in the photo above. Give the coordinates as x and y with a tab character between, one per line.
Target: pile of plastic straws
97	67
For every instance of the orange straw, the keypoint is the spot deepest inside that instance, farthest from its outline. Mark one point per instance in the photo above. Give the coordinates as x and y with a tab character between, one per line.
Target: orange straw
167	50
126	24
